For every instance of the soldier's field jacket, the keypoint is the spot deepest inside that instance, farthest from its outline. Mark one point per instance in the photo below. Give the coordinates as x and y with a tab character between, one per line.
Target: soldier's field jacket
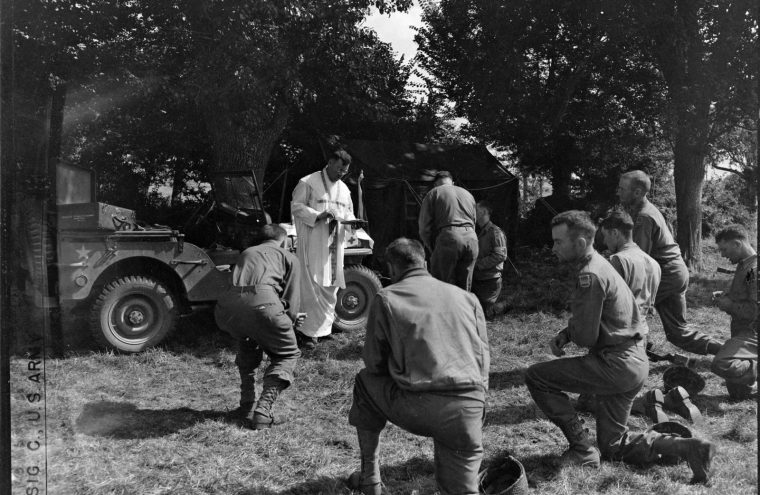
492	251
653	236
429	336
604	311
743	296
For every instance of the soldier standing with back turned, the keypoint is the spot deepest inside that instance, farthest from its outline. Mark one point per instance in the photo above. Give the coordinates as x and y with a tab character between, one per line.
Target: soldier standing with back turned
447	228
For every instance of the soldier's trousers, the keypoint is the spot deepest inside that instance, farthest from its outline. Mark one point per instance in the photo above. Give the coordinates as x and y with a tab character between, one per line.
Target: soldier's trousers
454	256
487	292
670	303
260	324
454	421
737	359
615	376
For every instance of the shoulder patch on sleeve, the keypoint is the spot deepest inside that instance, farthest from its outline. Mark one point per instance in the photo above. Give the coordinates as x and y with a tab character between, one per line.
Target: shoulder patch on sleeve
584	280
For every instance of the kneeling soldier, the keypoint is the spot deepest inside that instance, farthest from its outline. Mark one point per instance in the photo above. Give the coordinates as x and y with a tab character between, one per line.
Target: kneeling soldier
259	310
736	361
426	362
605	318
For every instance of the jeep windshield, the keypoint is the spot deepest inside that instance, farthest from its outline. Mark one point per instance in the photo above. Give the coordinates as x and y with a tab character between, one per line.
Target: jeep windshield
237	190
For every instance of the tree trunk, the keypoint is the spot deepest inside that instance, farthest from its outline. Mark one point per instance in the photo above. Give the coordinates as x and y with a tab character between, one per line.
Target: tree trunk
689	177
561	175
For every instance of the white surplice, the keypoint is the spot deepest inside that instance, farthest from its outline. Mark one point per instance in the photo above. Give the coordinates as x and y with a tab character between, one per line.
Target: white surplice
320	247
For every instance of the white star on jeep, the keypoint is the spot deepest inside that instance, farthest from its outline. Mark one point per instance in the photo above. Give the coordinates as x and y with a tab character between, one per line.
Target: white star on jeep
83	253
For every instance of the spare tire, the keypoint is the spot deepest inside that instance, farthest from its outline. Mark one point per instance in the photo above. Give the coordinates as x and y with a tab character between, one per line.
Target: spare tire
352	306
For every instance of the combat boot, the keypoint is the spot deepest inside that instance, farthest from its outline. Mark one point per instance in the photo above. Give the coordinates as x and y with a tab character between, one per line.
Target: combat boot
739	391
677	400
242	411
247	390
262	415
582	451
653	404
698	453
368	479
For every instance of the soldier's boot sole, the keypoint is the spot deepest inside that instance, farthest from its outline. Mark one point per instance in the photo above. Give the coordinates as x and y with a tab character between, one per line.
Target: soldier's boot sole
678	401
653	404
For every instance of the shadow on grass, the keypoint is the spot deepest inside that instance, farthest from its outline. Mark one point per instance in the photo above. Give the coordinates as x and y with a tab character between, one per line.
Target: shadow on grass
498	380
511	415
198	335
393	478
715	405
126	421
540	468
349	351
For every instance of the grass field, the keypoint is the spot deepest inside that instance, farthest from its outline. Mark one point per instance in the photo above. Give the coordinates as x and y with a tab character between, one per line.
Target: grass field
154	423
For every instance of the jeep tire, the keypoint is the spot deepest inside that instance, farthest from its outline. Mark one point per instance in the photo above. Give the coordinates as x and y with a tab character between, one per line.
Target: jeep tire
133	313
353	303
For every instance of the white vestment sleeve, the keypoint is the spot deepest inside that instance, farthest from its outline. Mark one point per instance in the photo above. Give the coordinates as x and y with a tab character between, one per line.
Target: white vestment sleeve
300	208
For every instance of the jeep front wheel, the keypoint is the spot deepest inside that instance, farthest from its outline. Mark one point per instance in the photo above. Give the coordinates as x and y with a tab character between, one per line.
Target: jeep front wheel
133	313
353	302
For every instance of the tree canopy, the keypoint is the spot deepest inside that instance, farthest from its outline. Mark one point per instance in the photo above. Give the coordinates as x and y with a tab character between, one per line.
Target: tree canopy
160	90
588	88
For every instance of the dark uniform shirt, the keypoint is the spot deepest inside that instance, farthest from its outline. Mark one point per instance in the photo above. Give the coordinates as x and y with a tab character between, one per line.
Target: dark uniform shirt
270	265
743	296
640	272
429	336
604	309
653	236
445	205
492	251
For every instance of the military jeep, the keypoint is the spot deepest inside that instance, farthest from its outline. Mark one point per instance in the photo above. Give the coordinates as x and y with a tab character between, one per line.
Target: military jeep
135	280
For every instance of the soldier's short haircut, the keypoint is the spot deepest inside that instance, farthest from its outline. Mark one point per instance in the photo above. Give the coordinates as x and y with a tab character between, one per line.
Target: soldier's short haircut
578	222
271	232
342	155
405	253
486	206
640	179
443	174
619	220
733	232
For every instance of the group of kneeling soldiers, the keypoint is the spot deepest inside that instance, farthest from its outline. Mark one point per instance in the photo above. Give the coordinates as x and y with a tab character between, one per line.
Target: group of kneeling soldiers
426	351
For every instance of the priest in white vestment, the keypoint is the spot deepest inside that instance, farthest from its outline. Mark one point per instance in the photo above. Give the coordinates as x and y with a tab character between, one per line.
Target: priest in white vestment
320	202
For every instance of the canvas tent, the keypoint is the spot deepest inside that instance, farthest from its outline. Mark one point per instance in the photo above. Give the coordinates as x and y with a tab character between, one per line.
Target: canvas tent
397	175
